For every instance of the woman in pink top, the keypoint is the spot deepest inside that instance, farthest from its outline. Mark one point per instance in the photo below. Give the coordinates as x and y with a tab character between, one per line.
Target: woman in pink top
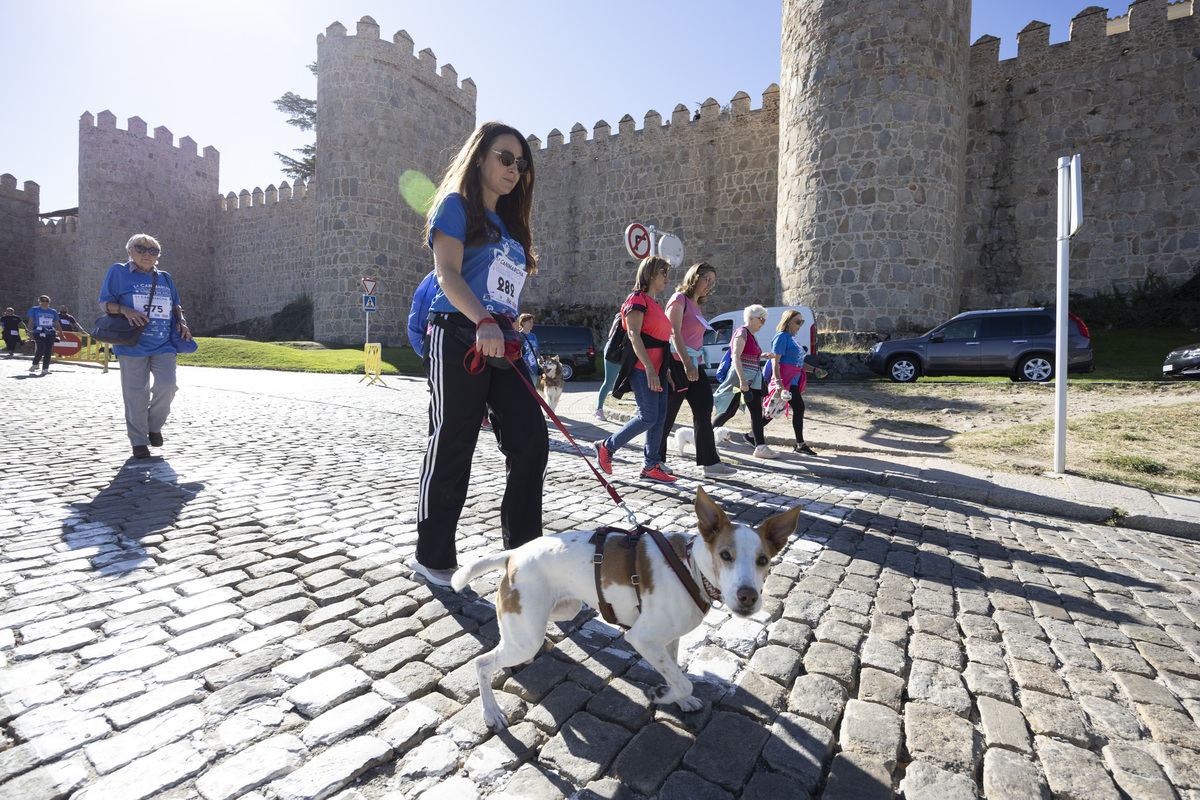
687	335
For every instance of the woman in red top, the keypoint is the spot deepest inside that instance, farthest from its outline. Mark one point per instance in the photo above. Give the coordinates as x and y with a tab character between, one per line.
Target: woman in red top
687	334
643	370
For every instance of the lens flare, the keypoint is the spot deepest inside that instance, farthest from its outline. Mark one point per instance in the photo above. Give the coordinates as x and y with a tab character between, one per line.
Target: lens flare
417	190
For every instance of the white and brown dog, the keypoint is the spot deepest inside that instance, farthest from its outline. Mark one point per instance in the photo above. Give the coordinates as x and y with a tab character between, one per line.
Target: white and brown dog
549	578
550	380
686	437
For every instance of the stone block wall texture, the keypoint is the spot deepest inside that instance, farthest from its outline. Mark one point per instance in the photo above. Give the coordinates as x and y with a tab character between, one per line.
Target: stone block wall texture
263	252
132	183
1127	103
896	176
872	137
381	113
18	243
709	181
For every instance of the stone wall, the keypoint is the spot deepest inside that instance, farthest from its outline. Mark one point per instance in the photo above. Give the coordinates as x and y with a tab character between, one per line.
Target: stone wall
57	247
382	114
1127	103
132	183
709	181
263	256
18	255
872	136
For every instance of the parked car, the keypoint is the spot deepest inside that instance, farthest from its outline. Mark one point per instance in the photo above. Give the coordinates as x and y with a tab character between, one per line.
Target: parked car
572	344
1183	362
1013	342
716	341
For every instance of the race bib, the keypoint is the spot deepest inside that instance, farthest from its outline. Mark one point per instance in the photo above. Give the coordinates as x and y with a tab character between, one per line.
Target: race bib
505	279
13	333
158	311
45	321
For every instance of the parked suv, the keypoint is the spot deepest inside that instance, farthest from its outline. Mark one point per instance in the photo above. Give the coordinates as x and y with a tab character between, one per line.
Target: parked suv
1013	342
572	344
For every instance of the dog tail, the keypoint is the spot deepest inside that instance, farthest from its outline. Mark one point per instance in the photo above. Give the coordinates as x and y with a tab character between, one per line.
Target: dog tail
464	575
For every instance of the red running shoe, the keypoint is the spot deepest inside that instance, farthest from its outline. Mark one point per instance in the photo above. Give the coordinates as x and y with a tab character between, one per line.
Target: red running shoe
657	475
604	456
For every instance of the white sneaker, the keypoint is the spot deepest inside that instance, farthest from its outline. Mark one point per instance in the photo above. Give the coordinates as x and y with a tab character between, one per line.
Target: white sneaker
599	414
438	577
33	368
716	470
762	451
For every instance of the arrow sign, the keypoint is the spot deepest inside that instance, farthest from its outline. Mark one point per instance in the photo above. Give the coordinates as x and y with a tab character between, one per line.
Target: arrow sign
638	241
369	285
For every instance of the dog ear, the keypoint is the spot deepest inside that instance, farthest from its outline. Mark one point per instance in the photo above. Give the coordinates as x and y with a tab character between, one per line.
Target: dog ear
778	529
709	516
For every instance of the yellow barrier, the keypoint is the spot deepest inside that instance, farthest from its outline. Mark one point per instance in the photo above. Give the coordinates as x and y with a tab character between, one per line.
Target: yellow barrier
88	350
374	364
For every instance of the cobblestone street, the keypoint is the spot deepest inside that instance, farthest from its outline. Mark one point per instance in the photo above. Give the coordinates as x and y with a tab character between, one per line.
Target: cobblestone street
232	618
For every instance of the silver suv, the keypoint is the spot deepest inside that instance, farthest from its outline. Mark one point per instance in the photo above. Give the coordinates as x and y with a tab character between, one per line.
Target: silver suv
1017	343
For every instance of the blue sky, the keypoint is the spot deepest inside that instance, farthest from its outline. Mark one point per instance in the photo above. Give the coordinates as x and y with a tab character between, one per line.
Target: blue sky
211	70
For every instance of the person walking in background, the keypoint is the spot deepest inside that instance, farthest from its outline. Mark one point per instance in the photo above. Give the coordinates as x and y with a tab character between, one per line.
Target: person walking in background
687	335
643	371
479	232
11	325
745	378
529	345
68	322
45	328
789	372
611	368
147	297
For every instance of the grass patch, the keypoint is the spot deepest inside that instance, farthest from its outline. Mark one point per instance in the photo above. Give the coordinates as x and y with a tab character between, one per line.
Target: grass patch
298	357
1151	448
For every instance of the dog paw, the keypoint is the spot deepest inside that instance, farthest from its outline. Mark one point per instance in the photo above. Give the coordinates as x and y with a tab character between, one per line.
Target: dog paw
658	694
497	721
691	704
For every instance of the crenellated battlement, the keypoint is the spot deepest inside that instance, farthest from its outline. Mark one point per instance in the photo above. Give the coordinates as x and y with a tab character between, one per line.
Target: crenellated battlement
259	197
66	225
30	193
1090	29
652	124
398	54
136	126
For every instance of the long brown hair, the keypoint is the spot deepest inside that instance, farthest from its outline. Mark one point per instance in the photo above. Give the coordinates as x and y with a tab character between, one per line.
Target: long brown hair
514	208
691	278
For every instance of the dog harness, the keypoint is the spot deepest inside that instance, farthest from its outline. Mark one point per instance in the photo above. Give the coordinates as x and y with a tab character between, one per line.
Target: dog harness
630	542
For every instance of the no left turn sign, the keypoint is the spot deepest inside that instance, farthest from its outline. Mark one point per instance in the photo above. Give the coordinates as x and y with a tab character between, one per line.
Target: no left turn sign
638	241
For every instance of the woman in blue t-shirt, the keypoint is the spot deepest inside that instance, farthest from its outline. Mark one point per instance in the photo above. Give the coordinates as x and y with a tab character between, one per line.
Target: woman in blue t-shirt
789	368
478	230
45	328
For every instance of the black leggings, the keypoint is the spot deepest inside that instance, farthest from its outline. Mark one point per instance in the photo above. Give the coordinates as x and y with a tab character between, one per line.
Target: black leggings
45	345
754	402
797	406
699	397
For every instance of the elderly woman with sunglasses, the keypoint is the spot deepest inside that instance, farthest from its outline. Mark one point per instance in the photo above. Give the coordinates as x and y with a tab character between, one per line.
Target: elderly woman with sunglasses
147	297
479	232
687	335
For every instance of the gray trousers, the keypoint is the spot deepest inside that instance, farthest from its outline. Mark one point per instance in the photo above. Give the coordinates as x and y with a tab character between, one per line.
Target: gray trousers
146	407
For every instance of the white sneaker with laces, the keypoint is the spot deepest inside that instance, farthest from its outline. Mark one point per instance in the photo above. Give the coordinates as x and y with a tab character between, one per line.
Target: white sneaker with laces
438	577
599	414
716	470
762	451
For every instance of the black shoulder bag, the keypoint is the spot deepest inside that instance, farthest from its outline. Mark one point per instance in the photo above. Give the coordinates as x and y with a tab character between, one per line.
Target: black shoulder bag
115	329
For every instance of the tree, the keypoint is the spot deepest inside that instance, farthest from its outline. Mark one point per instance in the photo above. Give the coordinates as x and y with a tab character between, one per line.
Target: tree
302	113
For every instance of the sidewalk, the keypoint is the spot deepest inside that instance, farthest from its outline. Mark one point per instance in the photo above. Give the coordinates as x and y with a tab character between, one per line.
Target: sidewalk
844	456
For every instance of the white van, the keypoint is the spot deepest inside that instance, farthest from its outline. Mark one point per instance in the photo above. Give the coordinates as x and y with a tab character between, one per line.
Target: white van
716	341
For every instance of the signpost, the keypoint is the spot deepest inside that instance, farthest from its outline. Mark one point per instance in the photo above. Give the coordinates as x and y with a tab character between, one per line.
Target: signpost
1070	219
645	240
368	303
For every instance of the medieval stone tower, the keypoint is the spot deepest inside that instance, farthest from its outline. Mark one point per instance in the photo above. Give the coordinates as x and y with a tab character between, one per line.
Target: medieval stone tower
383	113
872	137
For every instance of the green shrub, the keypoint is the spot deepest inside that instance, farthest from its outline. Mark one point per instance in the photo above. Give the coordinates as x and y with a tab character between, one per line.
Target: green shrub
1149	303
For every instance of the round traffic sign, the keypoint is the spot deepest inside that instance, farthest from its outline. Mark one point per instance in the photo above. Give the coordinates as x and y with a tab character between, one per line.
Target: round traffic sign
671	248
68	345
638	241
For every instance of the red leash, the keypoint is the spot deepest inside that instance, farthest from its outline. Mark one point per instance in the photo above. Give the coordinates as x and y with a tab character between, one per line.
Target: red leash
474	362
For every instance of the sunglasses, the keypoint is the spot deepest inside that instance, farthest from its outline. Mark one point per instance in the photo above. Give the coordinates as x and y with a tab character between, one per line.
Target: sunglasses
141	249
507	159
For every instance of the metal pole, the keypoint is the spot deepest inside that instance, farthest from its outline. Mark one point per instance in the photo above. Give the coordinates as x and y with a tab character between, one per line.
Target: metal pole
1060	340
653	240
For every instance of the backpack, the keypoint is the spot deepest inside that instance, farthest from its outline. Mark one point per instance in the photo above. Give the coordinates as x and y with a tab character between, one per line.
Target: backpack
723	369
418	314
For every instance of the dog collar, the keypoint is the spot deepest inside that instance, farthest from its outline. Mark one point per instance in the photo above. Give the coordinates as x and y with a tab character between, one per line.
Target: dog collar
713	592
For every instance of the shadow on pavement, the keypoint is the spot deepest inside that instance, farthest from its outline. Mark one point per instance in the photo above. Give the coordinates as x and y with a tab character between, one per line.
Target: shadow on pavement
144	498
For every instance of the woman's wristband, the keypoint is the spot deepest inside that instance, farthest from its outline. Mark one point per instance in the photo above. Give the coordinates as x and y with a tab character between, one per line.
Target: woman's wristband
485	321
